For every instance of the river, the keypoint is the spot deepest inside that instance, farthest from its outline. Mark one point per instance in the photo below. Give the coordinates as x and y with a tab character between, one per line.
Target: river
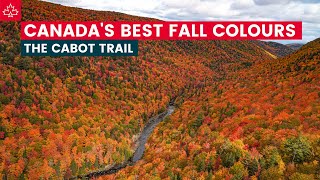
140	144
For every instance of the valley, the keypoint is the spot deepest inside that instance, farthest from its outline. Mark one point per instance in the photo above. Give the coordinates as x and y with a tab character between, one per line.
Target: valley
241	109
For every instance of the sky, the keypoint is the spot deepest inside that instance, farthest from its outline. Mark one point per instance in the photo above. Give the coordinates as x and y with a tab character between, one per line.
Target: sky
307	11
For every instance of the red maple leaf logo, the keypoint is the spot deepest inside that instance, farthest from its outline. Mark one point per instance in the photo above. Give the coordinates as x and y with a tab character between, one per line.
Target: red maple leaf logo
10	11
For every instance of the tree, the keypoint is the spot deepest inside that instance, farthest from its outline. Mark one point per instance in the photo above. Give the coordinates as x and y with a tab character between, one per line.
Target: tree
229	154
200	162
297	150
271	157
300	176
271	173
238	171
251	164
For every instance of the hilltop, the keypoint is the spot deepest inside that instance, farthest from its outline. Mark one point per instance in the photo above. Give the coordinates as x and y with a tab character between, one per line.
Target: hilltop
295	46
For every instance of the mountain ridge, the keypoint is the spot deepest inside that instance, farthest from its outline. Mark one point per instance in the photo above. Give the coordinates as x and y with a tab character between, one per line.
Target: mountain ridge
295	46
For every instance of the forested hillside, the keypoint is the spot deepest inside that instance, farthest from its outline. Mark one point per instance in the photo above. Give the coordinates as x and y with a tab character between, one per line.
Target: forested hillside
65	116
295	46
263	122
276	49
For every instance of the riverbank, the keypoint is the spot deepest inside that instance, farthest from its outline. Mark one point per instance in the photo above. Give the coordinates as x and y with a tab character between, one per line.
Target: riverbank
140	144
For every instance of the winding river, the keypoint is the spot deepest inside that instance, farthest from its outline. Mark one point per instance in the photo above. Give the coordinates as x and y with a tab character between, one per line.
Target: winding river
140	144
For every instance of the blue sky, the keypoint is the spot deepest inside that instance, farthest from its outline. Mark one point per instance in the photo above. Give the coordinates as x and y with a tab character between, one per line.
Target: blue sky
307	11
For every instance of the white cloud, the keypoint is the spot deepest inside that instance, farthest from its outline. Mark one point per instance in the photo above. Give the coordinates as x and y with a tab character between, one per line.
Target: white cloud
267	2
242	4
307	11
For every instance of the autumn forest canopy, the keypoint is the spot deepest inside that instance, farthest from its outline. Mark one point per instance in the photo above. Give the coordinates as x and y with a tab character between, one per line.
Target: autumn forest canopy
243	109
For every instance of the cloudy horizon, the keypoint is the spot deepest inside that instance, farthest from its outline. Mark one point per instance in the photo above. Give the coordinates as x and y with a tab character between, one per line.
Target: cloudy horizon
307	11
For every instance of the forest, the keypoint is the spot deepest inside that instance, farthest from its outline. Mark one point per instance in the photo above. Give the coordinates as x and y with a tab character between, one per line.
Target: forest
260	123
244	109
